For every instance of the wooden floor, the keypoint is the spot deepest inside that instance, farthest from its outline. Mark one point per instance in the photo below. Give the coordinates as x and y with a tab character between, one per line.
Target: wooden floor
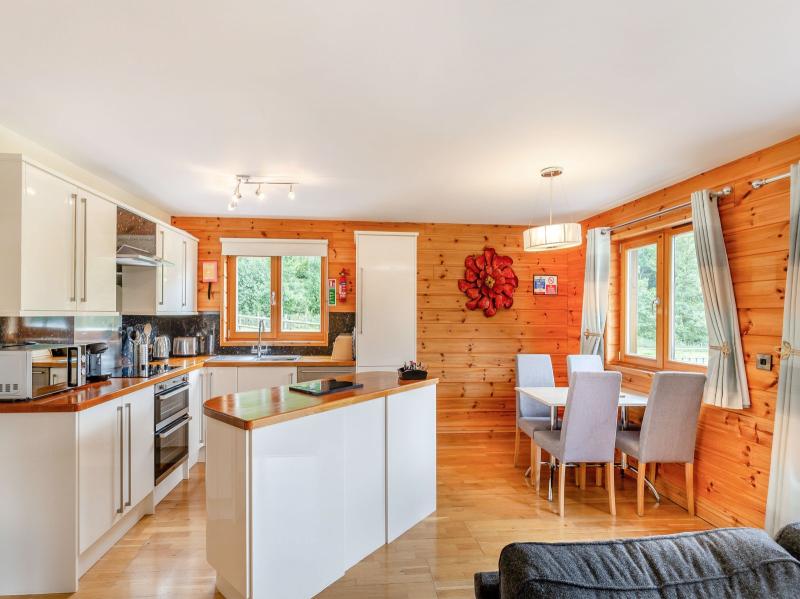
484	504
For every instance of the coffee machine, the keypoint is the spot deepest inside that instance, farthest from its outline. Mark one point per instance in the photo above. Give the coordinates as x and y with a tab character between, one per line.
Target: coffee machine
94	362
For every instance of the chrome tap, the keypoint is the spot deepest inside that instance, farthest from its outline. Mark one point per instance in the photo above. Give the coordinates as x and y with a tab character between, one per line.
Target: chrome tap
259	347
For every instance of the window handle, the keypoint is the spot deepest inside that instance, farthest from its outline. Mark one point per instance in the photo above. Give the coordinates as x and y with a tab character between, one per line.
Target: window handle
272	299
656	302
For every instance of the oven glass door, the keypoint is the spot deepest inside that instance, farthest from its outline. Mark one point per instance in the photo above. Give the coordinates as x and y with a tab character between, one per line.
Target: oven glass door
170	405
172	447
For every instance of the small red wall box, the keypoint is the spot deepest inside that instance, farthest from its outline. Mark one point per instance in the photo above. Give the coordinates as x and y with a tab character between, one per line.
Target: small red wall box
545	285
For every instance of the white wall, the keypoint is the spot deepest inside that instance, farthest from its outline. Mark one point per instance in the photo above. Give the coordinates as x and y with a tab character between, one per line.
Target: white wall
14	143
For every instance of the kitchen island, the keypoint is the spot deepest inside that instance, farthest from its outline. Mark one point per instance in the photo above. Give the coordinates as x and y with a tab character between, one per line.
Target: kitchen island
301	488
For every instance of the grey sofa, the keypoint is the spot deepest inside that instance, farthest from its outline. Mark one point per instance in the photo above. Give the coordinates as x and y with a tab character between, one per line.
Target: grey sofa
715	564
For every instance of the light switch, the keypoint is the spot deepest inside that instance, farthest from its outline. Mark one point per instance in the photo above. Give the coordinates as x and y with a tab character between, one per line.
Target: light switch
764	361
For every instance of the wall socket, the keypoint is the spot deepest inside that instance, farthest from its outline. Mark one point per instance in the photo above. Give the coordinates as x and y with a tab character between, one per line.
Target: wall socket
764	361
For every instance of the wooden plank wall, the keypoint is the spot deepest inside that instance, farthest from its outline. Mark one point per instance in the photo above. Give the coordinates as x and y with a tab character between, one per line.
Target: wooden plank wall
471	354
733	447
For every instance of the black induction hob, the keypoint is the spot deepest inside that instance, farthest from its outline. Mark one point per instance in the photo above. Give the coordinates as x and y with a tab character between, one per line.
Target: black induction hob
152	370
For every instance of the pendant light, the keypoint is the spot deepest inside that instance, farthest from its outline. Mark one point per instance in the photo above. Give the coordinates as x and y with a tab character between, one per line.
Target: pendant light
557	236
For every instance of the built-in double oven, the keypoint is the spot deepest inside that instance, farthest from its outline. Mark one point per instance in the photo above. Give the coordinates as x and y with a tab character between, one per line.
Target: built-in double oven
171	425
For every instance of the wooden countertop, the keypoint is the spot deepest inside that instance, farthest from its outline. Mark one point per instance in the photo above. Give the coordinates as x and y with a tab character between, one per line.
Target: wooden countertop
254	409
94	394
303	361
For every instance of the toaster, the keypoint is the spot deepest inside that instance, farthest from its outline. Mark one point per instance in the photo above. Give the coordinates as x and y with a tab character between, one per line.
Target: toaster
184	346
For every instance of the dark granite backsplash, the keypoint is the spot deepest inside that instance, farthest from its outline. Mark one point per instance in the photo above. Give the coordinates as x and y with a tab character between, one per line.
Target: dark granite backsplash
206	322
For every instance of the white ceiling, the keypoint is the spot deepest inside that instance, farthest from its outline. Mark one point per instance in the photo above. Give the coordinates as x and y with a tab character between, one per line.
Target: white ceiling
418	110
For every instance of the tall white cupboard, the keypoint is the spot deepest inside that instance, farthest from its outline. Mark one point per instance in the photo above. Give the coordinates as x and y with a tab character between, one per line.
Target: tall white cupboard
386	299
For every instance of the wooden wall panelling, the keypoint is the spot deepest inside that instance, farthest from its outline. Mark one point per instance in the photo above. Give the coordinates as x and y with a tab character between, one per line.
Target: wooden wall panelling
733	446
473	355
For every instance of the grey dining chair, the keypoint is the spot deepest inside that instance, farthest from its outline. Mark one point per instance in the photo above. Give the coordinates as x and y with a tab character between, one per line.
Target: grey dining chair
588	432
668	431
583	363
533	370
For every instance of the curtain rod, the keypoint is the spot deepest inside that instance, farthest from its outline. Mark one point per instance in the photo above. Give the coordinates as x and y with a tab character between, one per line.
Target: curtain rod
725	191
757	183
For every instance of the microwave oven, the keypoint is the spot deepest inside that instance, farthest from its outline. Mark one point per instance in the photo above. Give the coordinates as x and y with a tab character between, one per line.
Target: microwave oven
24	374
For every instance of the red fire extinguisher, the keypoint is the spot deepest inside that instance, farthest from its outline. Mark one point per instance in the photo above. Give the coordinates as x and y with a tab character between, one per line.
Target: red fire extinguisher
343	285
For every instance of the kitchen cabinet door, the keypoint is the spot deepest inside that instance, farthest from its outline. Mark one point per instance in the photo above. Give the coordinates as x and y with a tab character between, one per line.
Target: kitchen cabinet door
264	377
196	426
189	303
170	276
221	381
139	460
97	251
386	301
100	470
49	243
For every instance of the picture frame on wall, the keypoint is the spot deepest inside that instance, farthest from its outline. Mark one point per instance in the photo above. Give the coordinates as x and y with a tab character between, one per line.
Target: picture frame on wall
545	284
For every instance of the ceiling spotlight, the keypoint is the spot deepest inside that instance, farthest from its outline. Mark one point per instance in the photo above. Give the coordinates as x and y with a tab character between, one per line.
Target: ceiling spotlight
237	194
259	193
291	192
231	206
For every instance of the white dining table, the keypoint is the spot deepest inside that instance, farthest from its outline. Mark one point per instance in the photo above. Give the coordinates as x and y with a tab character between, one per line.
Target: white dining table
556	397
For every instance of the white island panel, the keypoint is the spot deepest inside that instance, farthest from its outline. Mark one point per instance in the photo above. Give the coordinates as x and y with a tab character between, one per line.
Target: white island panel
410	459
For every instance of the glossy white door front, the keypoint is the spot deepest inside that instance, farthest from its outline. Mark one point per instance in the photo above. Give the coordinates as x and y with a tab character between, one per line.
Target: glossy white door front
97	251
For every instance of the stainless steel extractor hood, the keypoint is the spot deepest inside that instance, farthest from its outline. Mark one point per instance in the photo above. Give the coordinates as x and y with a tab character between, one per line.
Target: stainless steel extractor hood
136	240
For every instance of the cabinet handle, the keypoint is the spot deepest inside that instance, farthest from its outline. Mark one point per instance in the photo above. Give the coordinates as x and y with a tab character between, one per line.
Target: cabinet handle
121	462
291	378
130	457
161	302
85	246
74	197
184	273
361	301
202	380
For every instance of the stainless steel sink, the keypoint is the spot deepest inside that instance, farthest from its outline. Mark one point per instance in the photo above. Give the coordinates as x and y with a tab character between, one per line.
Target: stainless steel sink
274	358
250	358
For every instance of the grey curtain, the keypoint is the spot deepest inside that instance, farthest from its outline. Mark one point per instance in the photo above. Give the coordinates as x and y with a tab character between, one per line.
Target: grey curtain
595	291
783	501
726	384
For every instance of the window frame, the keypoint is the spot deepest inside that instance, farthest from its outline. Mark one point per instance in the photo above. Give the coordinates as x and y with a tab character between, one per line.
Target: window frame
275	335
663	241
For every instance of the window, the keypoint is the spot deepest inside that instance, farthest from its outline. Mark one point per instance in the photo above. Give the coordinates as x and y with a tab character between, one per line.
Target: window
282	293
663	318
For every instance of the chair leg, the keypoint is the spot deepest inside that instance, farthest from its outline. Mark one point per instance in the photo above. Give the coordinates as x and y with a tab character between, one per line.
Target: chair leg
562	479
653	471
690	488
516	448
583	477
598	477
640	471
612	495
536	465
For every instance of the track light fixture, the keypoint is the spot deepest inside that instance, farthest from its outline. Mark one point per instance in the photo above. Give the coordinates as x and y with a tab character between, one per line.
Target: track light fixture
258	182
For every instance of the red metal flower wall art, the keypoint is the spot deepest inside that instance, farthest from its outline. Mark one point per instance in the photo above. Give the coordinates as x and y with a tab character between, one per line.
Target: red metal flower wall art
489	282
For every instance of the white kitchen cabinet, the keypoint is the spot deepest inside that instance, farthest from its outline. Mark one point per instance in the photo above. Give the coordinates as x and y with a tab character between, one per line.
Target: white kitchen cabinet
116	461
97	253
386	299
139	408
169	288
189	279
221	381
197	424
264	377
100	470
49	237
57	244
